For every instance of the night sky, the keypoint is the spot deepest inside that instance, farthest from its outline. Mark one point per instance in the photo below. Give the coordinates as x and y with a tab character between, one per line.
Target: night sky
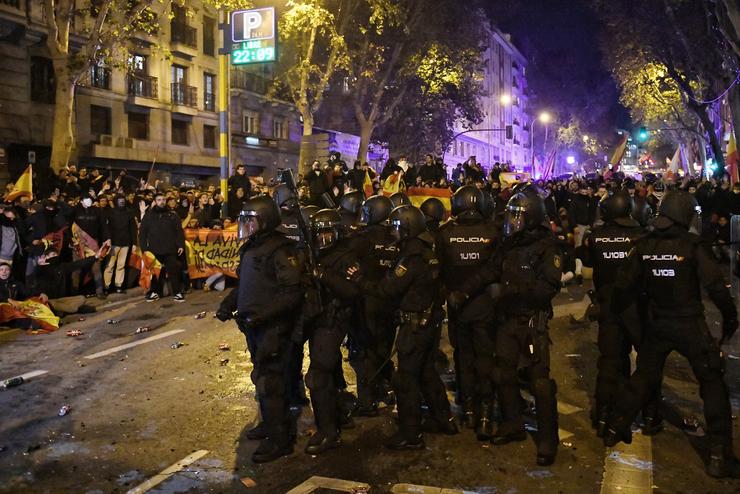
560	40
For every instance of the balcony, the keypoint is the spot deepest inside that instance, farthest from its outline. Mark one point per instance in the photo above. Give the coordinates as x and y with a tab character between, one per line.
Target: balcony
241	79
143	85
184	34
209	102
184	95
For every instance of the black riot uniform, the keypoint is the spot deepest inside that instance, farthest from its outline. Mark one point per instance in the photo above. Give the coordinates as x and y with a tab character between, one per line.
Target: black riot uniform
378	252
464	245
526	270
672	265
266	301
327	331
606	250
413	285
349	209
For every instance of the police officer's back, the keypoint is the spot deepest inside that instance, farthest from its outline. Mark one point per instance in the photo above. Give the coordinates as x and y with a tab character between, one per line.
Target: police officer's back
671	265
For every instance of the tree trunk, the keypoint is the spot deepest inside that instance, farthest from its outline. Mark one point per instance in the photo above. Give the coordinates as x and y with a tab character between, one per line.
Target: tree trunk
366	133
62	140
308	149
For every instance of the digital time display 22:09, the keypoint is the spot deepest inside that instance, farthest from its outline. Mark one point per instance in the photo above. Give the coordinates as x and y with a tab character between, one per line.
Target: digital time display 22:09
253	52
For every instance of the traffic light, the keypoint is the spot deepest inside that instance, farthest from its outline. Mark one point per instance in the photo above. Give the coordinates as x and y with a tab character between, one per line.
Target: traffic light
509	132
643	134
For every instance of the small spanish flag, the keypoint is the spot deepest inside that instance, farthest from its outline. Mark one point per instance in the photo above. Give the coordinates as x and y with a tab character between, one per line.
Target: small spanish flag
619	152
23	187
367	185
733	160
417	196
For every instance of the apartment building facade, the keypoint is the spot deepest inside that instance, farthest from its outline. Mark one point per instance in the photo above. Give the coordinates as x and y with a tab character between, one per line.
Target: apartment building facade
504	102
160	109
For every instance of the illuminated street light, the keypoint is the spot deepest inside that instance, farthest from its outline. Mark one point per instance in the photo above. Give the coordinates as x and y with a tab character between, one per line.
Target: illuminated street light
505	99
570	159
545	117
585	138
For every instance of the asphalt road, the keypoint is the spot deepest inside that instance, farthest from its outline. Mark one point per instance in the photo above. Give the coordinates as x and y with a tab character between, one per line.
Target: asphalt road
140	408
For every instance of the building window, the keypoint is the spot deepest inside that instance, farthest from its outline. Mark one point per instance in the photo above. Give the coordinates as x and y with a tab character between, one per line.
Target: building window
182	94
209	136
251	122
179	132
43	84
100	76
209	91
180	31
138	126
138	64
209	26
100	121
279	128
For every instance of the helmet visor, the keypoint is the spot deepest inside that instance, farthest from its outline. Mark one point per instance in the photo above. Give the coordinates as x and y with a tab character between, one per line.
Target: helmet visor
248	224
515	221
325	238
398	230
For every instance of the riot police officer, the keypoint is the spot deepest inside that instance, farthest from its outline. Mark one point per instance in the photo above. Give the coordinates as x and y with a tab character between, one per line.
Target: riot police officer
327	331
672	265
606	250
378	252
464	245
434	212
349	209
413	283
266	301
289	211
526	270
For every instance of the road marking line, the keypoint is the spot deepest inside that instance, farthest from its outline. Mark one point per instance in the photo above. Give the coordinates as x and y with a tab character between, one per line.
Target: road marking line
423	489
29	375
628	468
167	472
316	482
572	308
563	434
133	344
567	408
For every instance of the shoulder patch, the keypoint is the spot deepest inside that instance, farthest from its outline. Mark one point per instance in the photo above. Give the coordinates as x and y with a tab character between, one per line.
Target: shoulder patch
293	261
556	261
400	270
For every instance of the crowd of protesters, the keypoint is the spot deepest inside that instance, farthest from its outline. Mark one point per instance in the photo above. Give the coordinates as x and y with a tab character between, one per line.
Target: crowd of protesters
43	255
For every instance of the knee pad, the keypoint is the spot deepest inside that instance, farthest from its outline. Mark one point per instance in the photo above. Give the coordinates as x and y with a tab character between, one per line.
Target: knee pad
270	385
318	379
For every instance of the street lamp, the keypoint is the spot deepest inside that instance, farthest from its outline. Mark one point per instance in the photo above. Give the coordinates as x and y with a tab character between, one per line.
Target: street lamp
544	118
571	159
506	99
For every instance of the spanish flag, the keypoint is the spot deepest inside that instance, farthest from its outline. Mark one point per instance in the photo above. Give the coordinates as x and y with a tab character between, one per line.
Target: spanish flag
23	187
417	196
392	185
733	160
367	185
619	152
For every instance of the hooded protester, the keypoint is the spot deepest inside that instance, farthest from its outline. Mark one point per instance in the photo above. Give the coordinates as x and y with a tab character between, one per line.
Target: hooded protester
122	227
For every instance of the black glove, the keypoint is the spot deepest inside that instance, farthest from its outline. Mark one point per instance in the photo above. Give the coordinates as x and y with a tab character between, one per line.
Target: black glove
456	299
224	314
729	326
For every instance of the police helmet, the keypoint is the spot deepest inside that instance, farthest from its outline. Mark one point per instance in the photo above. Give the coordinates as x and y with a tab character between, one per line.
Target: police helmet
258	215
488	206
642	212
308	211
375	210
399	199
433	209
407	222
617	207
325	227
352	201
466	198
678	207
524	212
283	196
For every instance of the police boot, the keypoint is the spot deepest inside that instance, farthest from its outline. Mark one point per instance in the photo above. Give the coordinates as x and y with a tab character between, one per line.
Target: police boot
446	426
509	432
274	447
618	429
257	432
400	441
652	422
484	427
547	420
321	443
468	415
386	393
599	419
722	462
